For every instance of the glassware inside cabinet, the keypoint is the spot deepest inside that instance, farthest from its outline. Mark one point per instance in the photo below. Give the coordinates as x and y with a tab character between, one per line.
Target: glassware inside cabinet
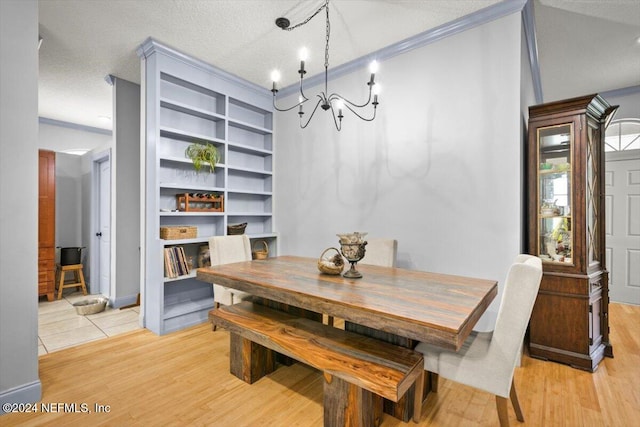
555	240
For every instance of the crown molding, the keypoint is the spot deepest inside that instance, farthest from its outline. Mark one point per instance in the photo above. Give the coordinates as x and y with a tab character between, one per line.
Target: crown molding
459	25
529	23
631	90
74	126
151	46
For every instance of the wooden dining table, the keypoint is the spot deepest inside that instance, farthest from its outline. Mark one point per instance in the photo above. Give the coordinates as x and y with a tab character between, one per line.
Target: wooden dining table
392	304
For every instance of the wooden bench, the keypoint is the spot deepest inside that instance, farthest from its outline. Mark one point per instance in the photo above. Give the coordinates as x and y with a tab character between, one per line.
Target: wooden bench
358	371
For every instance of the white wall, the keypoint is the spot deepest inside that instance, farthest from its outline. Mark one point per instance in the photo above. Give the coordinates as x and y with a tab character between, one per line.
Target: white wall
64	136
439	169
19	380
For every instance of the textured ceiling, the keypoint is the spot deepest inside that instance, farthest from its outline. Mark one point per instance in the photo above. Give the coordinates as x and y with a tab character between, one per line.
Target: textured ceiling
83	41
587	46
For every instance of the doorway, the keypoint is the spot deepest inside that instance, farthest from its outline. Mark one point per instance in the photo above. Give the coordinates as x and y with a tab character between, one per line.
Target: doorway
59	325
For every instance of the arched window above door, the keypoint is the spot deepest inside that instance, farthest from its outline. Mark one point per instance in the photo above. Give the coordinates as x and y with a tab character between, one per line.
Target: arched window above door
622	135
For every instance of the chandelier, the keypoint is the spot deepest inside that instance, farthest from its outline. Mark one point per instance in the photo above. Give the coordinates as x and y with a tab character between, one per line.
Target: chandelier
328	102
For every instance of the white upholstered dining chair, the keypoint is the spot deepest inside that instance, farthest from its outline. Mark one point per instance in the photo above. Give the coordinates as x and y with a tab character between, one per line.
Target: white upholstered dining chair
225	250
381	252
487	360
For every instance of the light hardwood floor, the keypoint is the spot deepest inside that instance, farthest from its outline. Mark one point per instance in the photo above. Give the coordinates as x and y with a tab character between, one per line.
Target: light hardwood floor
183	379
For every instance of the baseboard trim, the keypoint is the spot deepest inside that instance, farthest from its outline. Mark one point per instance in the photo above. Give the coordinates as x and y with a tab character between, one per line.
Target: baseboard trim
27	393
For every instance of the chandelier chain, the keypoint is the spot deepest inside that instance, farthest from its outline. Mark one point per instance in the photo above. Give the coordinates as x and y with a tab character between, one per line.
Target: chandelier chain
326	47
309	18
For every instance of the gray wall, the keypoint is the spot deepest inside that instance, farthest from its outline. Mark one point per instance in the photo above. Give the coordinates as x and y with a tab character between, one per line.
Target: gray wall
19	381
126	197
68	200
440	169
629	103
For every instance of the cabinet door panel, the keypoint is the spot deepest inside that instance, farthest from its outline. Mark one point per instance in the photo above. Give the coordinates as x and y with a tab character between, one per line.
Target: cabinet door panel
561	322
46	199
46	222
595	324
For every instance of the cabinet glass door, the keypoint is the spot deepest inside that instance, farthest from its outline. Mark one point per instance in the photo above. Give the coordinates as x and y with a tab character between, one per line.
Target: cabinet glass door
555	237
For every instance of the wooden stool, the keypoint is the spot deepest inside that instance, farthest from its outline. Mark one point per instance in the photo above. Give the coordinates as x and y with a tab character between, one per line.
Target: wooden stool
78	278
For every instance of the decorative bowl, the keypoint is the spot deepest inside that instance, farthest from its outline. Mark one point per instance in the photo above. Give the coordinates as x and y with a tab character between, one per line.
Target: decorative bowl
356	237
90	306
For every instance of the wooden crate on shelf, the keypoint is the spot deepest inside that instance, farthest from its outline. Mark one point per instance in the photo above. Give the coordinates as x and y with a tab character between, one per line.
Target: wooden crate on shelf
178	232
200	203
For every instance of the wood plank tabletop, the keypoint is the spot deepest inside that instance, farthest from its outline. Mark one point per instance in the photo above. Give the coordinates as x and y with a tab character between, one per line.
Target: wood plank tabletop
436	308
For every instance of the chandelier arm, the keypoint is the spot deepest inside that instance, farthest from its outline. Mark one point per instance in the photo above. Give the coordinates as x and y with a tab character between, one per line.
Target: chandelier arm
304	97
312	113
337	96
363	118
287	109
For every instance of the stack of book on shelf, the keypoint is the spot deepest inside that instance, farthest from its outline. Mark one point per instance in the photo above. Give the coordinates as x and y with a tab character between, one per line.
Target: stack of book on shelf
175	262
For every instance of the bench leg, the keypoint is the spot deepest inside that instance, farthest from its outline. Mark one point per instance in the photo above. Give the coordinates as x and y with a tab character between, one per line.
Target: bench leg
250	361
419	391
214	325
403	408
347	405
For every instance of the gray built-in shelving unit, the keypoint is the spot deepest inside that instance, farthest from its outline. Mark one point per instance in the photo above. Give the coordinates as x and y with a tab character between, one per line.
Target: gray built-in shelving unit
185	99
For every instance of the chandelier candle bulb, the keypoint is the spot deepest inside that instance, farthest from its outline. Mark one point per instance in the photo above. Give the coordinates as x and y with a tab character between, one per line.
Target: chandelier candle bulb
304	54
376	92
275	77
340	106
373	69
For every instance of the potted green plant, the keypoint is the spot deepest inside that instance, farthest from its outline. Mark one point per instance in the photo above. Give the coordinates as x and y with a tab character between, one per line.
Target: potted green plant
202	154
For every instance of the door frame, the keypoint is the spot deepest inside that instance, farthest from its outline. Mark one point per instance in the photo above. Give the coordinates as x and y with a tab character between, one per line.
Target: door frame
613	156
94	246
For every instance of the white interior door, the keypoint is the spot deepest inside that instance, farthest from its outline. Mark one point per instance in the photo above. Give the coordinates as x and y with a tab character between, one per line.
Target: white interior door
622	183
104	228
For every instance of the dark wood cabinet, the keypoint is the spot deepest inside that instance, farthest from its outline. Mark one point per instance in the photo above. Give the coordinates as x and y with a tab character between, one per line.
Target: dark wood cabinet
46	223
569	322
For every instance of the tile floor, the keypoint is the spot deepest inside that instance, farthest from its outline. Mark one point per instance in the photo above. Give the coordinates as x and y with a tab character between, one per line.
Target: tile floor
59	326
